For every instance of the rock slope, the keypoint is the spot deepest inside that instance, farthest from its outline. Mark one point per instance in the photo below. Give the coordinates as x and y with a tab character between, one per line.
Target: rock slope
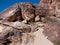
30	24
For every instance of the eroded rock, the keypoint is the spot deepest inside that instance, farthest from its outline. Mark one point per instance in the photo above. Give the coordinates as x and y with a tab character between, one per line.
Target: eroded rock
11	13
27	11
52	31
17	29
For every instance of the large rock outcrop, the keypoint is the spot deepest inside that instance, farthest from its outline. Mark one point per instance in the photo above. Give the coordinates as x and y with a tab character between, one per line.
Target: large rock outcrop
53	5
20	24
52	31
11	13
24	12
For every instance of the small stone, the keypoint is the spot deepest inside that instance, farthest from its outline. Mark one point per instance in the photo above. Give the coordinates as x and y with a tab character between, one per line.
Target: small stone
37	18
24	21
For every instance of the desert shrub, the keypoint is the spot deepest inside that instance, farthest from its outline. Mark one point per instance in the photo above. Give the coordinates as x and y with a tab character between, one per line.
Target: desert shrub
11	33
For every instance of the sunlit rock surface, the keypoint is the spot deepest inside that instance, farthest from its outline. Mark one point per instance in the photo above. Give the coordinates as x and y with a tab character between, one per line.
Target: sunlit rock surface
30	24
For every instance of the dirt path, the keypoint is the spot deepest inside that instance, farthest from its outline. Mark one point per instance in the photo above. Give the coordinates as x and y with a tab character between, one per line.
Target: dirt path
40	39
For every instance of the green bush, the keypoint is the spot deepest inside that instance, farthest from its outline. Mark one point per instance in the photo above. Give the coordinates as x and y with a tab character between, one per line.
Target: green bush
11	33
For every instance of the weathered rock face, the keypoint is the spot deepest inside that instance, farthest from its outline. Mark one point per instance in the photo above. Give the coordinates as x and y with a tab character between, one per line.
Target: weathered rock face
48	5
41	12
15	31
11	13
45	3
24	11
4	34
18	23
52	31
27	11
53	5
58	10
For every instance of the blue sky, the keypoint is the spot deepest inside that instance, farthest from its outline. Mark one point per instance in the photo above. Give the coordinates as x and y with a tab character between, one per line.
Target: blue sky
6	3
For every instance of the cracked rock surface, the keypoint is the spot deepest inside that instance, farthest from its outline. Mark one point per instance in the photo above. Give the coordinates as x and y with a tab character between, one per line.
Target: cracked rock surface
30	24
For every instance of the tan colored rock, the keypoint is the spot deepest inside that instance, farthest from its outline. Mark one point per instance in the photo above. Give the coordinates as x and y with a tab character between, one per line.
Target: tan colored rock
17	25
4	33
45	3
24	21
48	4
54	6
40	13
34	27
27	11
29	33
7	28
11	13
28	15
52	31
58	10
37	18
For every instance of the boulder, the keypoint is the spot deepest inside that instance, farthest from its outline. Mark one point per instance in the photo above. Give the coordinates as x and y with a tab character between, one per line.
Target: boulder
4	33
53	5
41	12
27	11
16	25
12	31
45	3
48	4
11	13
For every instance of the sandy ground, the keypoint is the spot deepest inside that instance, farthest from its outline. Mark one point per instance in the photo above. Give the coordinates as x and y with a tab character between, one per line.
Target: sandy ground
40	39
